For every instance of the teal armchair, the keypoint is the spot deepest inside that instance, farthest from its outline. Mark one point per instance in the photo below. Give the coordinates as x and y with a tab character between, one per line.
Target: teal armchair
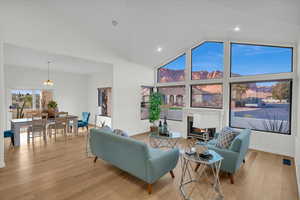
133	156
235	154
85	120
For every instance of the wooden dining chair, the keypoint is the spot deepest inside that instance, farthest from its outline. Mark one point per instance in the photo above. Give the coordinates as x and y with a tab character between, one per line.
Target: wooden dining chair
38	126
60	124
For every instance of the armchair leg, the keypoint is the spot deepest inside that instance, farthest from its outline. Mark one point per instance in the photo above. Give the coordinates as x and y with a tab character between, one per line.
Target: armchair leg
172	174
197	167
149	188
244	161
231	178
95	159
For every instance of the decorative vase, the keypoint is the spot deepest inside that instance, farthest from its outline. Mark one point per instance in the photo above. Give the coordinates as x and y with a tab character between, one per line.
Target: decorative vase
153	129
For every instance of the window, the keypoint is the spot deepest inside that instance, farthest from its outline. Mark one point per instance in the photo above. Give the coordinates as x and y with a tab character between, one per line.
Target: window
174	71
104	101
29	100
207	96
263	106
173	102
259	78
145	94
248	59
207	61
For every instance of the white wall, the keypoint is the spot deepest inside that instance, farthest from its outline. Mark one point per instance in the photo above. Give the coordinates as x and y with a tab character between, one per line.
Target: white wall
297	136
2	99
127	81
70	90
103	78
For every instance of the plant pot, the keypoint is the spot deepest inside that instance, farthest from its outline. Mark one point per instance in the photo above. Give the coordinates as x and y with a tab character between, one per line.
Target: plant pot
51	112
153	129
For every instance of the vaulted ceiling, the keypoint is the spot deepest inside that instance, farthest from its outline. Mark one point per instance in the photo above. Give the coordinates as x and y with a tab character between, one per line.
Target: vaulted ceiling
144	25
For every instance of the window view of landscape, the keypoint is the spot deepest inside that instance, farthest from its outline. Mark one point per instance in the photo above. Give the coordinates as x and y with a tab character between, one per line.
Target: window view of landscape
173	102
255	59
25	101
207	61
145	94
209	96
174	71
263	106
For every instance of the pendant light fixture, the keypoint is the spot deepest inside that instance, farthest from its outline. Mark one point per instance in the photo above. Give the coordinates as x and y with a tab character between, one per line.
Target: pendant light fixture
48	82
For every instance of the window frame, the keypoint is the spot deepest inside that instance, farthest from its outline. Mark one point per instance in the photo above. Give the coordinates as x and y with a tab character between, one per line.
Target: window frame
263	45
168	62
227	79
290	106
151	91
198	45
191	99
182	85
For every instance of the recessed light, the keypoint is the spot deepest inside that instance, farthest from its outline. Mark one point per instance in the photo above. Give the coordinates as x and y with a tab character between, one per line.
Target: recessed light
159	49
237	29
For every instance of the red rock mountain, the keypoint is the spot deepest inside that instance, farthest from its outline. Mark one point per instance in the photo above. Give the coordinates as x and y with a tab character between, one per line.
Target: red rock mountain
169	75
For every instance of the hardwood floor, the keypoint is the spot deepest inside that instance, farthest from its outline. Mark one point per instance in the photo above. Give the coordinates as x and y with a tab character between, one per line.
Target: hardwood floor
61	170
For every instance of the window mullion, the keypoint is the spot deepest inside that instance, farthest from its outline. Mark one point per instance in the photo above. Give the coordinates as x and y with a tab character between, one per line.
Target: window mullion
226	84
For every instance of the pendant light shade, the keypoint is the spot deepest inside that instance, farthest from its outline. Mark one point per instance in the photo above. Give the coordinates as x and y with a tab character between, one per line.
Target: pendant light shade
48	82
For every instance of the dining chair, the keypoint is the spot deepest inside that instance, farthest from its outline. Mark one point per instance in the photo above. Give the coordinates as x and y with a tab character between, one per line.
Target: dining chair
85	120
38	126
60	124
10	134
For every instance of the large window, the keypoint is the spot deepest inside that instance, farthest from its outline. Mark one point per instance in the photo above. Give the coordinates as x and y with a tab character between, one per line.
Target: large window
256	85
207	61
206	96
264	106
251	59
173	102
174	71
145	94
24	101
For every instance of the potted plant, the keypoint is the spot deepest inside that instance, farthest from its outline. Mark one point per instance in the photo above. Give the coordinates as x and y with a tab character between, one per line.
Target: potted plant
154	110
52	108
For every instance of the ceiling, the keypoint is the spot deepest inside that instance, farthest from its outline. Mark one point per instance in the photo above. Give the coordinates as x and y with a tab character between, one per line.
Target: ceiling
174	25
25	57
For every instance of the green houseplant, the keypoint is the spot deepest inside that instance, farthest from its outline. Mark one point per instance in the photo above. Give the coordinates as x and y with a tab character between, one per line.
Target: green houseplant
27	99
154	109
52	108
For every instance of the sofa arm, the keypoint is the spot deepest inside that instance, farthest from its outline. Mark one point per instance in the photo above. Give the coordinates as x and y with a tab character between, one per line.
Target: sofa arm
162	164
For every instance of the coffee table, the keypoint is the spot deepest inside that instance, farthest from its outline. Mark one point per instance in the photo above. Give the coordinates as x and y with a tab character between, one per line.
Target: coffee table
160	141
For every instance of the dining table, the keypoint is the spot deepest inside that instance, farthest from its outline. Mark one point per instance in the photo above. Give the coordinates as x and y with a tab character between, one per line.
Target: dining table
17	124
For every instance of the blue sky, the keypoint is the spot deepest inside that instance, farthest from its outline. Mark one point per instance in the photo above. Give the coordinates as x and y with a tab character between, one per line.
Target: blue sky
246	59
209	56
177	64
252	60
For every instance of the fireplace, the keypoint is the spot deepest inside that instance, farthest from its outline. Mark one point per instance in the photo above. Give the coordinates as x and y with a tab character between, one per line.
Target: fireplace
197	132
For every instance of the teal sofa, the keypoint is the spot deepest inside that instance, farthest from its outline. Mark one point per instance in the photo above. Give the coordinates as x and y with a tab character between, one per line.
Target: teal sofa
133	156
235	154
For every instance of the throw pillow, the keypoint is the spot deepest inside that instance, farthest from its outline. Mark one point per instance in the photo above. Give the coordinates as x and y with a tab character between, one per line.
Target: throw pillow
120	132
106	129
225	137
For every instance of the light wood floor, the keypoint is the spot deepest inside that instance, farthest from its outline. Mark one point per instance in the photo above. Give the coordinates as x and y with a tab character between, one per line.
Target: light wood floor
61	170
